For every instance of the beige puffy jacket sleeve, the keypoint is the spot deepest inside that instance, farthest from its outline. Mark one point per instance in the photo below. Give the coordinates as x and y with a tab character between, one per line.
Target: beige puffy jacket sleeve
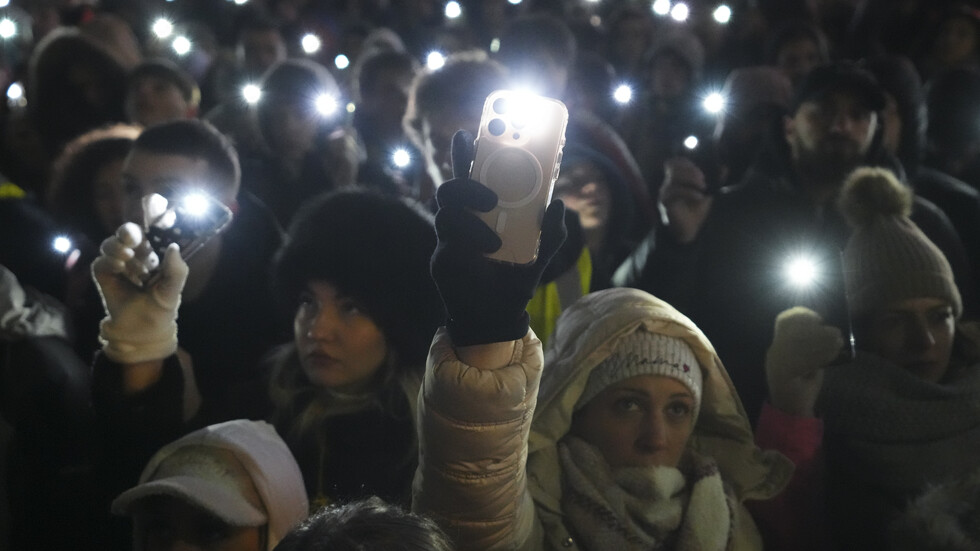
473	430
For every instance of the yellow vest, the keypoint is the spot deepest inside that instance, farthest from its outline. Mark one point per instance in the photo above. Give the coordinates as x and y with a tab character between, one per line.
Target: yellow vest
546	304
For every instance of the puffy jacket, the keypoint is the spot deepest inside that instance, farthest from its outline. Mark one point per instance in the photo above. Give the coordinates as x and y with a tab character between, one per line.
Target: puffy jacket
491	476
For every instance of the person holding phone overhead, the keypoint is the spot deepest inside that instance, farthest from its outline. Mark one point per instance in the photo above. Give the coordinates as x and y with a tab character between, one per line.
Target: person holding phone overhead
631	437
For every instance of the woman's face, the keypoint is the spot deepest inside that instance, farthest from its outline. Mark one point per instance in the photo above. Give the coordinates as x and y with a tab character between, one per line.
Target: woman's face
584	189
170	524
340	347
915	334
643	421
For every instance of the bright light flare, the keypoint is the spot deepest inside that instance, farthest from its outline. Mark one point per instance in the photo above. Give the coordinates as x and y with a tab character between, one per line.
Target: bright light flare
680	12
181	45
252	93
661	7
435	60
326	104
4	3
341	62
241	2
162	28
691	142
310	43
196	204
401	158
453	10
801	271
61	244
8	29
722	14
15	91
623	94
714	103
514	2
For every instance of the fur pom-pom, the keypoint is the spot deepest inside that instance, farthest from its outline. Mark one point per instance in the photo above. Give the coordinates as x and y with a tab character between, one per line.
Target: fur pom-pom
869	193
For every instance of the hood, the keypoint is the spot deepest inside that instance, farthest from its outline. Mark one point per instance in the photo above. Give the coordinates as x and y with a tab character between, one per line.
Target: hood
586	334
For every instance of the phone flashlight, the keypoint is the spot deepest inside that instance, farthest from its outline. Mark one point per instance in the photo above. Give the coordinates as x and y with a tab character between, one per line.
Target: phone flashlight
714	103
251	93
61	244
801	271
8	29
623	94
162	28
401	158
722	14
434	61
326	104
661	7
310	43
679	12
181	45
190	221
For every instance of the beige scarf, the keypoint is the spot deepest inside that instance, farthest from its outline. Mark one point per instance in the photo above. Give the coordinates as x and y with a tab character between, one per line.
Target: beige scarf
643	508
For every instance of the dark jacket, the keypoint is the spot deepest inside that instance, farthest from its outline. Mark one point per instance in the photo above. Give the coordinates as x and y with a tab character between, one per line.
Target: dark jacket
731	280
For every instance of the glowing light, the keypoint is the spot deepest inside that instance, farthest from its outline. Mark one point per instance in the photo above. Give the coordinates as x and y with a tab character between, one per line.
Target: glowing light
15	91
714	103
514	2
61	244
351	107
311	43
435	60
679	12
453	10
181	45
162	28
4	3
495	45
401	158
691	142
241	2
722	14
623	94
196	204
252	93
661	7
341	61
801	271
8	29
326	104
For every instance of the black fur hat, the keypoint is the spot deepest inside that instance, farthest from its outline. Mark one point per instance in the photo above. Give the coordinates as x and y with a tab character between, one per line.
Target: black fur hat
375	249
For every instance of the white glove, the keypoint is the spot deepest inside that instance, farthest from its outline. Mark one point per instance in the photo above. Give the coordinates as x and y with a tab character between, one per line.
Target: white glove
801	347
141	311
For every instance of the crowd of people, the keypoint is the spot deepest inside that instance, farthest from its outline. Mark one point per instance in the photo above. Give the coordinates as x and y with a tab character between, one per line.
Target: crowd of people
751	322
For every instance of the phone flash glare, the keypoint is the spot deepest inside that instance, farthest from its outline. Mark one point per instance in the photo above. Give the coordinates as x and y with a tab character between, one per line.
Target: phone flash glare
434	61
310	43
181	45
341	62
61	244
252	93
661	7
162	28
8	29
679	12
722	14
801	271
453	10
514	2
15	92
326	104
401	158
623	94
195	204
691	142
714	103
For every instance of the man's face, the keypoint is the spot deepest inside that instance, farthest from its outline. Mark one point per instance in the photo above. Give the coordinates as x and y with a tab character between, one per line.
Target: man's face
153	100
833	132
146	172
261	50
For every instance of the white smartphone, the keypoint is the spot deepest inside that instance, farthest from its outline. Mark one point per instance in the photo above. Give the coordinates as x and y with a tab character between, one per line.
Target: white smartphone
518	155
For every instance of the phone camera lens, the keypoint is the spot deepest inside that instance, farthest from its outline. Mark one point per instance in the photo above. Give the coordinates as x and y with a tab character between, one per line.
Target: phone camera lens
500	106
496	127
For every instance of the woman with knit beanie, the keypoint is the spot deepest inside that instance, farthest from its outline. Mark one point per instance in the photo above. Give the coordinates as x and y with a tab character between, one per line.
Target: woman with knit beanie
625	434
903	414
353	274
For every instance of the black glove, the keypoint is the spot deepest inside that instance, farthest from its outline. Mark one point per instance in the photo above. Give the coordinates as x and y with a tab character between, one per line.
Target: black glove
485	299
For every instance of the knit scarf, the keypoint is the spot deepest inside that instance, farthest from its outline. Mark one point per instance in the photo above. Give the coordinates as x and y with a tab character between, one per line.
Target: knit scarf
897	431
643	508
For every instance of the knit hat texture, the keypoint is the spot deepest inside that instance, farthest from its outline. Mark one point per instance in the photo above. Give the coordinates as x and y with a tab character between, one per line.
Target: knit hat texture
645	353
888	258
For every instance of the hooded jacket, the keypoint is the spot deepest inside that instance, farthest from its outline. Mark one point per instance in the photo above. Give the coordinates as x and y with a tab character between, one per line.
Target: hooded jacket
492	476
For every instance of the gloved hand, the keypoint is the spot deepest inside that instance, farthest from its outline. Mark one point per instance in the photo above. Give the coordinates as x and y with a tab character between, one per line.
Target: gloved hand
141	311
485	299
802	346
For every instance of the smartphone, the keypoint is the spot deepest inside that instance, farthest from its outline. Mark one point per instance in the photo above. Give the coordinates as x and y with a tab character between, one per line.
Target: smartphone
189	220
518	155
700	149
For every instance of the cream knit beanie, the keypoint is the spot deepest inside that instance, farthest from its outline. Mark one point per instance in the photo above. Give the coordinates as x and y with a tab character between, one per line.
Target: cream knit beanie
888	258
645	353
